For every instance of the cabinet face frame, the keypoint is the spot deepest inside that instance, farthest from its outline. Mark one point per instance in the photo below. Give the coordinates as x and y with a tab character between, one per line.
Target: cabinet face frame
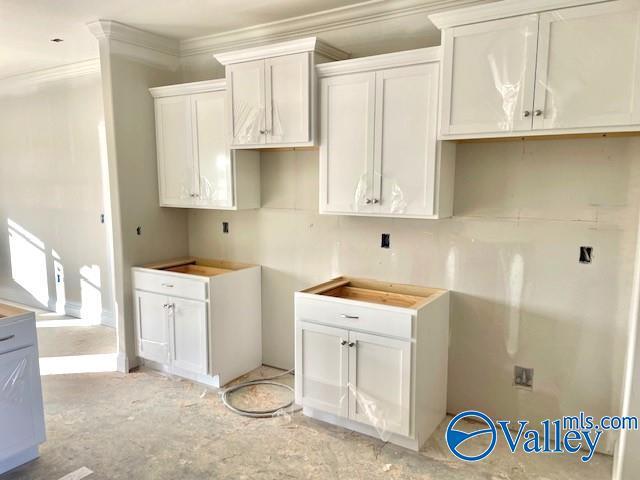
341	406
27	409
256	123
188	160
154	351
545	43
197	132
175	326
528	25
429	73
358	400
303	63
365	185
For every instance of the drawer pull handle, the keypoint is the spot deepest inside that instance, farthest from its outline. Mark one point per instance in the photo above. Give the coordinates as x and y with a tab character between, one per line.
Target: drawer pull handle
168	285
4	339
351	317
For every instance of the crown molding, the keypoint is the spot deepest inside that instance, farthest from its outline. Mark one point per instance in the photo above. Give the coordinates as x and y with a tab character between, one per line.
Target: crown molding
38	77
310	44
189	88
501	9
376	62
138	44
311	24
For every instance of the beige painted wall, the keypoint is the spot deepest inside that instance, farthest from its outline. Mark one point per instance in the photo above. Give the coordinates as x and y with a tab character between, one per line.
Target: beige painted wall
509	256
130	120
51	196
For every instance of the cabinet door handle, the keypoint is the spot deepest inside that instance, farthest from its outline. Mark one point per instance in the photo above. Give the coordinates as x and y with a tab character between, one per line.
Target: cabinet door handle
168	285
352	344
375	200
4	339
262	132
368	201
343	343
526	113
351	317
538	113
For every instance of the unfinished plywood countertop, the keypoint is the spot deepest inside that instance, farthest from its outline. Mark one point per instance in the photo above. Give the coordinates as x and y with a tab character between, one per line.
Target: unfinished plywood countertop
8	312
377	292
198	266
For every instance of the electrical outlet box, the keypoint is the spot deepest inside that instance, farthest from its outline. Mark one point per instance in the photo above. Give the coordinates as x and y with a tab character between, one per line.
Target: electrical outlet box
523	377
586	254
385	240
225	227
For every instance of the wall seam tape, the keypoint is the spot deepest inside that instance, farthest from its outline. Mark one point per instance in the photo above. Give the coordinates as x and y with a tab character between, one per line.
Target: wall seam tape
78	474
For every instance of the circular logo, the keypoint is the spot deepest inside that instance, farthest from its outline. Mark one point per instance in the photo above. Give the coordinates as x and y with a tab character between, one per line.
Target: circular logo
456	438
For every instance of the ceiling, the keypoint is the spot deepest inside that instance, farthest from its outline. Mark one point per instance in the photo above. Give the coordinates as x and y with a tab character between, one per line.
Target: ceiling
27	26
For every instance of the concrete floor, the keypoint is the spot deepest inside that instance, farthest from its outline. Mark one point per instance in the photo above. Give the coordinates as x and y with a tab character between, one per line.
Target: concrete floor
147	426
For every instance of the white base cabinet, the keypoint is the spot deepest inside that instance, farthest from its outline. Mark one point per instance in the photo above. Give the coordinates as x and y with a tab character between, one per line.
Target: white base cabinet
379	154
372	356
22	427
199	319
196	168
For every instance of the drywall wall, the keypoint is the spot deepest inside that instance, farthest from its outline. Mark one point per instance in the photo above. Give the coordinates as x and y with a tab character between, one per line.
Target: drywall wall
509	256
142	231
53	251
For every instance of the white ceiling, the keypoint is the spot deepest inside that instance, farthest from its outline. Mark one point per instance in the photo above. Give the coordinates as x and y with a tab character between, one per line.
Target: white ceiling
26	26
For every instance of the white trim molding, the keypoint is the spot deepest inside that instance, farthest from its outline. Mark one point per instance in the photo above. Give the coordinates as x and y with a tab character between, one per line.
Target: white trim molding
376	62
189	88
314	23
62	72
138	44
310	44
501	9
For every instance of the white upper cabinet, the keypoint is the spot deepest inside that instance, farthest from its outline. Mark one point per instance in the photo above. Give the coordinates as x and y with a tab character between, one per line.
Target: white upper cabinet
519	68
588	72
488	78
271	92
196	168
378	125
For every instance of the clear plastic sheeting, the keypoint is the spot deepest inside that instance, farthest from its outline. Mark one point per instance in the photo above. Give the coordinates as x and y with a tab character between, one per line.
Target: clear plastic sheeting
248	123
366	200
12	388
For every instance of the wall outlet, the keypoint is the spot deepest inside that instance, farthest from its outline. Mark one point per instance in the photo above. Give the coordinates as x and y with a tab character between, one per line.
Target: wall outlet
586	254
385	240
523	377
225	227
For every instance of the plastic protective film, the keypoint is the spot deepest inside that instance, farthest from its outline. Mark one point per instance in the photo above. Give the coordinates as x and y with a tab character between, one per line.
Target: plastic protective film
365	200
13	384
248	122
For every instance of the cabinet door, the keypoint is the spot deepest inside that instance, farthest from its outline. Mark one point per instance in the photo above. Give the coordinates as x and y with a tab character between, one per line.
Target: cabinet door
176	168
380	382
288	89
245	82
21	413
211	147
488	77
405	140
347	143
322	368
588	71
152	326
189	335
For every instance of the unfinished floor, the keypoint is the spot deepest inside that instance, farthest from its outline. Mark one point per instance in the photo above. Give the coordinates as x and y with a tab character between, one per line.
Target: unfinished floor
147	426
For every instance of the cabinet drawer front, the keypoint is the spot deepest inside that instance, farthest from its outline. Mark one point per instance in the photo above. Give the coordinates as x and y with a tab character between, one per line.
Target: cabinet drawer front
17	335
170	285
353	316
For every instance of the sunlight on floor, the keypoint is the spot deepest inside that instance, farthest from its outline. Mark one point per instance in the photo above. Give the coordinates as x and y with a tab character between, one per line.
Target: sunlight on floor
78	364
